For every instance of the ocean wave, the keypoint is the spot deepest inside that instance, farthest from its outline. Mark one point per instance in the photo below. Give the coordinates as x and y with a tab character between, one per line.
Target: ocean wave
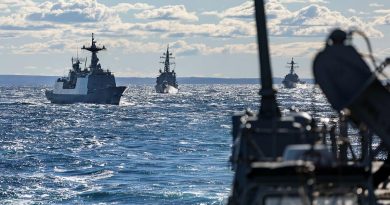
151	149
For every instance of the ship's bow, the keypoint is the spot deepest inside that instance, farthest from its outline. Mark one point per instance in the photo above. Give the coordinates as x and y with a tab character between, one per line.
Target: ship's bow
49	95
116	94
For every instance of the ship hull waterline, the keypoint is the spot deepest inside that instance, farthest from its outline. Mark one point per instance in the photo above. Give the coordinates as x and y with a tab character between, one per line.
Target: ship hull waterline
166	89
289	84
110	95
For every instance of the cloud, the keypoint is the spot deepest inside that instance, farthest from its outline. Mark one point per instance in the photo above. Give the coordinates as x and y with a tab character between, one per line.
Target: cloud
54	46
382	11
69	45
227	28
276	11
245	11
383	20
73	11
18	3
315	20
375	5
171	12
312	20
80	18
16	22
133	46
181	47
303	49
4	8
383	53
125	7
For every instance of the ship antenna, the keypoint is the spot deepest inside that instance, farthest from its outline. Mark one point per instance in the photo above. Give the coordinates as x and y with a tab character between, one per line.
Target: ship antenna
269	107
167	62
292	65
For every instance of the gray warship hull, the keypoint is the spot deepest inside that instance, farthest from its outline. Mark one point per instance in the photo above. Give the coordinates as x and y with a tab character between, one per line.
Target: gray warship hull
93	85
166	89
291	80
166	81
110	95
289	84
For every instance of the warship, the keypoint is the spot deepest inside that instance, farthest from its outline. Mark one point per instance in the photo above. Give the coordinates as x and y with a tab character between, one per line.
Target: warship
295	158
292	79
93	85
166	81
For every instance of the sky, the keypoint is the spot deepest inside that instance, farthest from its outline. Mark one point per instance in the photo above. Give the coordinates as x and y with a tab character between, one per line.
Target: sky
210	38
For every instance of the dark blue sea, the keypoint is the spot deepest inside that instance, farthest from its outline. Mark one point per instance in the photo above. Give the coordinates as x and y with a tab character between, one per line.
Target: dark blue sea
151	149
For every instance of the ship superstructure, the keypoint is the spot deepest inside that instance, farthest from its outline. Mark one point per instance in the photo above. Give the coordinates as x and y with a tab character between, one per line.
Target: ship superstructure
166	81
292	79
93	85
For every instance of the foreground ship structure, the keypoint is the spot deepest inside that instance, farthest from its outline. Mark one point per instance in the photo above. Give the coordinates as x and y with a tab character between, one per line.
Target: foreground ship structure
166	81
292	79
290	158
93	85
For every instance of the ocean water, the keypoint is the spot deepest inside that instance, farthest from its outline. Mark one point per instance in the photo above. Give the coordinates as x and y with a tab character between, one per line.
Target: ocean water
151	149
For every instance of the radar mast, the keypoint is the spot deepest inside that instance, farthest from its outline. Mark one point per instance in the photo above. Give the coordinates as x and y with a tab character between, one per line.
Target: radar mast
94	49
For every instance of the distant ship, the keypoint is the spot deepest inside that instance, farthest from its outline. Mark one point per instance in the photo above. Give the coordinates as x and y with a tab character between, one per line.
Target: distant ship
93	85
166	81
292	79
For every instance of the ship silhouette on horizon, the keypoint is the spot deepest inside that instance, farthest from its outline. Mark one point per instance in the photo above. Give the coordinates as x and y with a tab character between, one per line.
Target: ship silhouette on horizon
166	81
292	79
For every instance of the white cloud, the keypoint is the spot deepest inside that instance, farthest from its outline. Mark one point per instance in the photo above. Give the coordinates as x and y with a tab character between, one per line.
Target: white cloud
245	10
18	3
16	23
318	21
4	8
66	18
125	7
54	46
276	11
227	28
170	12
68	45
180	47
383	20
375	5
312	20
383	53
303	49
133	46
52	20
73	11
382	11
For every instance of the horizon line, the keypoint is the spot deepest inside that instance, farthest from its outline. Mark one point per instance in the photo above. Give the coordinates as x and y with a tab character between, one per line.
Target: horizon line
27	75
